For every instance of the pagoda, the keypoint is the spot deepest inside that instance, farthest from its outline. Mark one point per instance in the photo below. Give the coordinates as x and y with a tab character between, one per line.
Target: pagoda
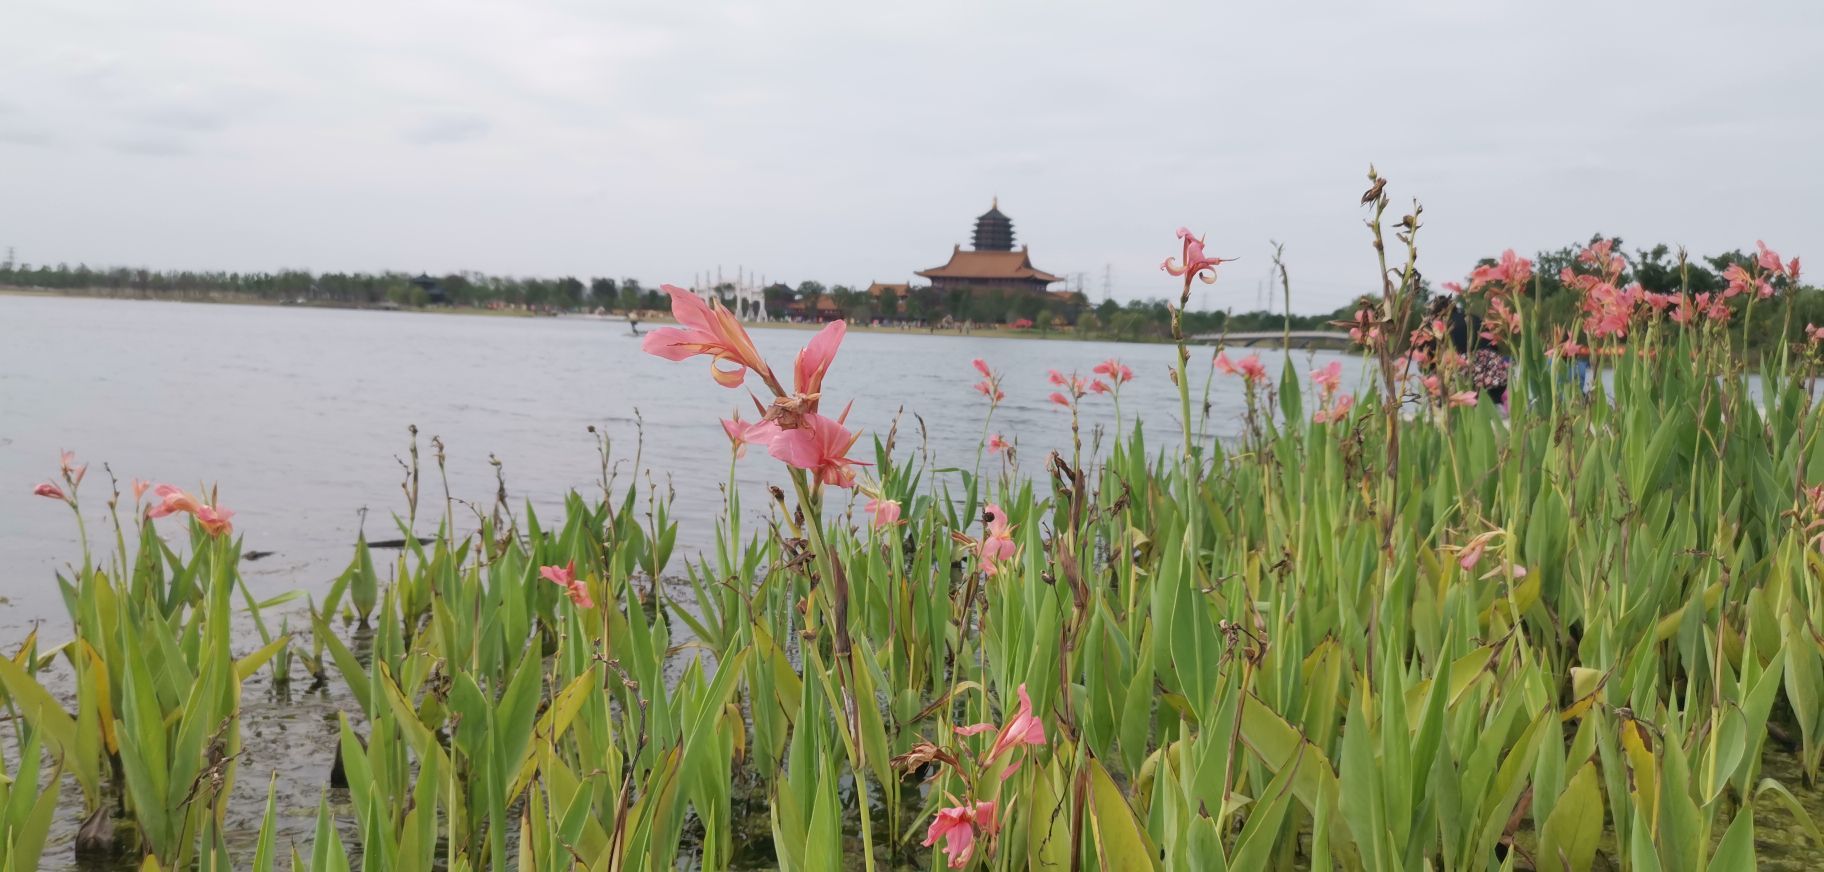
993	263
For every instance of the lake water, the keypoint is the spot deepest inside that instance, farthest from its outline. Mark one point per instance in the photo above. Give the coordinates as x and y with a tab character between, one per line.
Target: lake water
299	416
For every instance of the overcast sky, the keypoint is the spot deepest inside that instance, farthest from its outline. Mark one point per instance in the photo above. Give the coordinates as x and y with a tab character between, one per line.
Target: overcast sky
848	142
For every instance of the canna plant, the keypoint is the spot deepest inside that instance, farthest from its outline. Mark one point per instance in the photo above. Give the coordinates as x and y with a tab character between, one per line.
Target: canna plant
1397	623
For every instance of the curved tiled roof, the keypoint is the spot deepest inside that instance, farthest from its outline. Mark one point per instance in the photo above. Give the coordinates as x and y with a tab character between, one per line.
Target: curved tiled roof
988	265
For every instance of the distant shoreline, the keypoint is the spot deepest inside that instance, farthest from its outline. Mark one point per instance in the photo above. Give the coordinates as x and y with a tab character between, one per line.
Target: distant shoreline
992	332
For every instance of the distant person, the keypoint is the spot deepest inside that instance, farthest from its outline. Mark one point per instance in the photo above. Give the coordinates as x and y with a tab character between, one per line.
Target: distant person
1488	367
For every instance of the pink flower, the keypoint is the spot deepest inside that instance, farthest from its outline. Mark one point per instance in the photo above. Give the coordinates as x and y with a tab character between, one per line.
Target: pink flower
1715	307
813	362
885	512
998	443
1454	287
1463	398
1022	729
1249	368
981	366
1511	271
1115	371
173	500
565	577
1769	259
1609	309
1337	411
957	826
1740	282
1098	387
997	543
71	469
1364	328
1471	554
1075	386
1253	369
1330	377
1568	348
1685	312
48	489
1601	256
987	389
710	329
1501	320
139	489
214	520
1433	385
1194	262
819	445
742	434
1816	334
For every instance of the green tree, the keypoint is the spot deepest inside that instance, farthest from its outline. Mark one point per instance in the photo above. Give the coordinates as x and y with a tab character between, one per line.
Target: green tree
603	291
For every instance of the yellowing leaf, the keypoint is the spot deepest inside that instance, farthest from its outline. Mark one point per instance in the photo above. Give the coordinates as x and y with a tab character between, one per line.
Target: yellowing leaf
1568	839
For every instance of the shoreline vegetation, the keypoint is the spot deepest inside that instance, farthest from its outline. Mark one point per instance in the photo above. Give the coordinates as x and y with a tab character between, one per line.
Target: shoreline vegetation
1541	624
1657	269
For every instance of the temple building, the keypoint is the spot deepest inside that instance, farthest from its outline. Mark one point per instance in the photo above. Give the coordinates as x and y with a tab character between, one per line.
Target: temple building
993	263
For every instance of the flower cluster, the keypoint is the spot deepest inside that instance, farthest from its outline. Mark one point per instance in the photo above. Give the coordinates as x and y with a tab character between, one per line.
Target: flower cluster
1769	262
1609	308
990	385
1508	276
1502	282
1249	367
171	499
791	427
72	473
1335	407
1075	387
960	826
1115	371
1690	310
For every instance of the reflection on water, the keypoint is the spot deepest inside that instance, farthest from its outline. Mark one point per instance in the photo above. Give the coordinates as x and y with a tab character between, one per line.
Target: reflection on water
300	416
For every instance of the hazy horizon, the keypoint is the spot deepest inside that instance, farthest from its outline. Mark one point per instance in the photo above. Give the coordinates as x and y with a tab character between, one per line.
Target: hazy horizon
847	144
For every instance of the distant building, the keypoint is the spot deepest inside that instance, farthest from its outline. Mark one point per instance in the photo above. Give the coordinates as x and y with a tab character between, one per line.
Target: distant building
901	290
993	263
824	309
745	296
433	292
